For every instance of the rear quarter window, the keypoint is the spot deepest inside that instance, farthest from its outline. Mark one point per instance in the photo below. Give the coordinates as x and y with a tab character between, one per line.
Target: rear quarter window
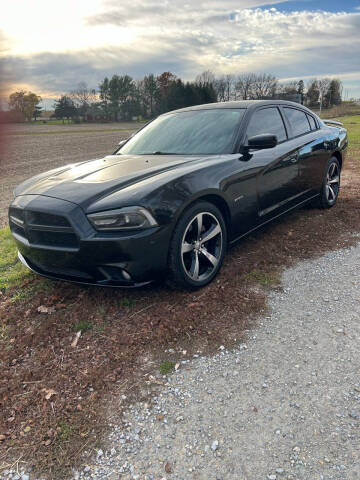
312	122
298	121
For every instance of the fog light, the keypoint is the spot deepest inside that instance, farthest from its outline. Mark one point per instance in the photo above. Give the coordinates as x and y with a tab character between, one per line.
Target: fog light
126	275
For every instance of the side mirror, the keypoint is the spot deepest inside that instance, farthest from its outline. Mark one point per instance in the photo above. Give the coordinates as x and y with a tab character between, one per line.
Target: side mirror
265	140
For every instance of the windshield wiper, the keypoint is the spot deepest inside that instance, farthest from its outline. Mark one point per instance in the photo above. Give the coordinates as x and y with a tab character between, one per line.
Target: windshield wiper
160	153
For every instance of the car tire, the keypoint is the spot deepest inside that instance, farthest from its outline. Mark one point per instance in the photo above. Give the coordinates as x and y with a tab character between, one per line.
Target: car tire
197	247
331	185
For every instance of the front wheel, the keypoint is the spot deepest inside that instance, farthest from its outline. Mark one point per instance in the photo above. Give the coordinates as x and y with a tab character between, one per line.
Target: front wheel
331	185
197	247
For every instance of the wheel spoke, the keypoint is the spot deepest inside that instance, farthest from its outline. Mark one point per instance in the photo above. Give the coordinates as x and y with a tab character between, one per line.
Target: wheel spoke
334	180
328	192
194	270
332	170
199	221
212	259
332	193
186	247
211	233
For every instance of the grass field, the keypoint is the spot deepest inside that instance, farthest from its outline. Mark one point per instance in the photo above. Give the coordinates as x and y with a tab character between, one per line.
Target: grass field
53	399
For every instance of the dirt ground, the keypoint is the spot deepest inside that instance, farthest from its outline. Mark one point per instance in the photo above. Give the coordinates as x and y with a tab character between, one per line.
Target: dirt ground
53	395
32	149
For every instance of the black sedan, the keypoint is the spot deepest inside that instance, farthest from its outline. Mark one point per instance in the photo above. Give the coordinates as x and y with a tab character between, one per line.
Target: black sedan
174	196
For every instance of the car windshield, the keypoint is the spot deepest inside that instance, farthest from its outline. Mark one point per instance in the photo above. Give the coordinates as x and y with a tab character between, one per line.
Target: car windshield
194	132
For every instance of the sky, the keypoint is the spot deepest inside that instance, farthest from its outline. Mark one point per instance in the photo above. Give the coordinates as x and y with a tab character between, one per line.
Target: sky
50	46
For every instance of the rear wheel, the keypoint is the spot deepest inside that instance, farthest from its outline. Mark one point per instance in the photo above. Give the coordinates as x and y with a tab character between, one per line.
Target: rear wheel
197	247
331	185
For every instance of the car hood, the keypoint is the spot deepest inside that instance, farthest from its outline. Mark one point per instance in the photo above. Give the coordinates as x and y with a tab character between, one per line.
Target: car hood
87	182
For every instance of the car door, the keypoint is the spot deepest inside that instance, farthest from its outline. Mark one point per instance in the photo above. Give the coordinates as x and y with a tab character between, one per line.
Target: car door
310	146
278	174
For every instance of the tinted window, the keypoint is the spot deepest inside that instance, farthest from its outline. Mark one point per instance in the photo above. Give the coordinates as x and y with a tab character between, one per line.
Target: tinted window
267	120
298	121
191	132
312	122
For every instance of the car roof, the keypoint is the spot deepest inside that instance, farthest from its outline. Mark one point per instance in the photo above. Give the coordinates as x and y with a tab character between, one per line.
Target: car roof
246	104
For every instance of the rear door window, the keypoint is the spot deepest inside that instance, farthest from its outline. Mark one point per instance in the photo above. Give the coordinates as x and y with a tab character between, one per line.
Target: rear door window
267	120
298	121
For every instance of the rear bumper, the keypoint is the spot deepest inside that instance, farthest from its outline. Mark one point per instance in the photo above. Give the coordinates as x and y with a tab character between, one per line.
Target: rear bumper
127	259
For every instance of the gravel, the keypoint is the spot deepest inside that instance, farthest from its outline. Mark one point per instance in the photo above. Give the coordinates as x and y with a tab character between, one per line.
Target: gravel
285	407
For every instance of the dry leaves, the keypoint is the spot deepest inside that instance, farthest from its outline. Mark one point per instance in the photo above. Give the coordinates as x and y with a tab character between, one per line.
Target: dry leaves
49	393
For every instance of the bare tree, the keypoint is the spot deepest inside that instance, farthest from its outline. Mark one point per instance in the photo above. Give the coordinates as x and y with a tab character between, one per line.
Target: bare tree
244	85
230	86
83	97
323	86
289	88
265	85
220	89
205	79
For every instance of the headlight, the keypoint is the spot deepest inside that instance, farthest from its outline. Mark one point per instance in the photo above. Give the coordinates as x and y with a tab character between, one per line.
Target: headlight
128	218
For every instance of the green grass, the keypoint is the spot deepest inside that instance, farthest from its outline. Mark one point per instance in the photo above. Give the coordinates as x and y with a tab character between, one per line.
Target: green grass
12	272
267	279
83	326
125	302
65	430
166	367
22	294
52	122
352	124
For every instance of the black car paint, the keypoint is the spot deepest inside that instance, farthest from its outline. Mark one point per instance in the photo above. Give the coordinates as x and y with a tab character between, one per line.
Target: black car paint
251	187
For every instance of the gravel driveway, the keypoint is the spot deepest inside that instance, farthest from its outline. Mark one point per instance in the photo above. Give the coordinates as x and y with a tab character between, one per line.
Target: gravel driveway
284	405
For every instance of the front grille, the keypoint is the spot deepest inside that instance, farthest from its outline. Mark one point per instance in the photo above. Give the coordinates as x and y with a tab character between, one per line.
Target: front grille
40	218
43	229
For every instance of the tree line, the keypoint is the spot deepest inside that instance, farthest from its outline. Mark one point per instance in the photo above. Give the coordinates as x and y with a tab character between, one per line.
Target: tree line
123	98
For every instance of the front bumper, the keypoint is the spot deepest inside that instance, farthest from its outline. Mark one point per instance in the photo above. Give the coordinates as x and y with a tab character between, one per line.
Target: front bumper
71	249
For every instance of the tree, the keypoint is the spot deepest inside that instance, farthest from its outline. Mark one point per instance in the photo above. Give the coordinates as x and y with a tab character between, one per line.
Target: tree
205	78
150	93
220	89
300	87
225	88
37	112
121	90
104	94
323	86
165	80
265	85
244	85
83	97
313	93
289	88
65	108
333	95
24	103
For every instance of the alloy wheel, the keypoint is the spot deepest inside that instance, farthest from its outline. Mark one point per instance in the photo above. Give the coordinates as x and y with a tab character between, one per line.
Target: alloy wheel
332	182
201	246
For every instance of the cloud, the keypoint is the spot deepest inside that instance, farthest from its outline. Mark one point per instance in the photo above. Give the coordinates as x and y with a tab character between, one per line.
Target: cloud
186	38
